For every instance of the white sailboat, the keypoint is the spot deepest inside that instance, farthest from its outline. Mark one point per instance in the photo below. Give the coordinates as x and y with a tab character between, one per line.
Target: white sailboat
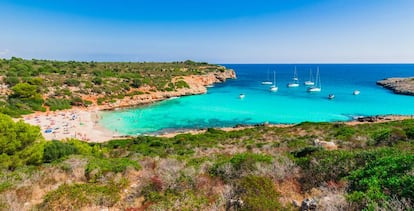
274	87
267	82
356	92
317	87
310	81
295	82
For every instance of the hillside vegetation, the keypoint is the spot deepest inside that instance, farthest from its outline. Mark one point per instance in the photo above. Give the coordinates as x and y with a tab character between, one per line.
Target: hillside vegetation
33	85
265	168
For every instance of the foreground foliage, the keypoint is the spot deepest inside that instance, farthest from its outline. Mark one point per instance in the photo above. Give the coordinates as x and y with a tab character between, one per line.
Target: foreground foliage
264	167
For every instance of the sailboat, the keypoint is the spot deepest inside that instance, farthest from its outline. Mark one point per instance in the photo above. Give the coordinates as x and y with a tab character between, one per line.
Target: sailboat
274	87
310	81
317	87
267	82
295	82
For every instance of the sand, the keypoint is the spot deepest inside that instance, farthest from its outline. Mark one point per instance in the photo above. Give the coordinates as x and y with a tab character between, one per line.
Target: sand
74	123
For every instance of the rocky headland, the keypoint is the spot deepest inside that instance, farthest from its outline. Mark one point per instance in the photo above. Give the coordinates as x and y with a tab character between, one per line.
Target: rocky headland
196	85
404	86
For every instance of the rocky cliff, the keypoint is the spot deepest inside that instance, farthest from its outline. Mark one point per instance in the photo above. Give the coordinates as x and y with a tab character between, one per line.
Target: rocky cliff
197	85
404	86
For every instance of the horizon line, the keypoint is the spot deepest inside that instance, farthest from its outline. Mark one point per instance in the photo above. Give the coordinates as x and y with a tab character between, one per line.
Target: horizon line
219	63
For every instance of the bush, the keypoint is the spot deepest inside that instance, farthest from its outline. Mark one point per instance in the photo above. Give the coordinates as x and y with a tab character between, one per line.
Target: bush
258	193
20	143
76	196
97	167
389	136
181	84
233	167
136	83
55	150
382	178
58	104
72	82
97	80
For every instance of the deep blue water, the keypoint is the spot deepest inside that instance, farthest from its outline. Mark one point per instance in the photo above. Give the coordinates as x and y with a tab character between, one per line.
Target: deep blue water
222	107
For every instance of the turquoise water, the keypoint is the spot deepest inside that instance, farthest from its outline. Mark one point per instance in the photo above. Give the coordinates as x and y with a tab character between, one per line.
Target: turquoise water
222	107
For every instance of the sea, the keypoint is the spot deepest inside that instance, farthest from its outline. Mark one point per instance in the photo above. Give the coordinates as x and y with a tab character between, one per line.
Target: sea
222	106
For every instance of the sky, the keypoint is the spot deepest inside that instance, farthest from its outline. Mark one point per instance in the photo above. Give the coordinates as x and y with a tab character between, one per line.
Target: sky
215	31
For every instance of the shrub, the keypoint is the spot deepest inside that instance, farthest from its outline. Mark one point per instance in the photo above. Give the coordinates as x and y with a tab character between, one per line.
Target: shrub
389	136
20	143
181	84
55	150
136	83
97	167
233	167
97	80
58	104
258	193
72	82
382	178
76	196
410	132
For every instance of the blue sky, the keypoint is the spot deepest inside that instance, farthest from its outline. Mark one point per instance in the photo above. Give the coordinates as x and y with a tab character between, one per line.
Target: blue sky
260	31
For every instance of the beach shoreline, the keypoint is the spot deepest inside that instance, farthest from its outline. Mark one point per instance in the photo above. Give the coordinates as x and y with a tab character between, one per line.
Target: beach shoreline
83	124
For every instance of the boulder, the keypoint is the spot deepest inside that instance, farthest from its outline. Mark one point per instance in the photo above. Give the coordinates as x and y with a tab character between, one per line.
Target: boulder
308	205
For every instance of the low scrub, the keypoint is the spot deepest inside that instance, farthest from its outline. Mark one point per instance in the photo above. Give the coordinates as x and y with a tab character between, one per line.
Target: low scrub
69	197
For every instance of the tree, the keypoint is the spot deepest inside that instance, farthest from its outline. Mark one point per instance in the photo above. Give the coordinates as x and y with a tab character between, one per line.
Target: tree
97	80
25	90
136	83
20	143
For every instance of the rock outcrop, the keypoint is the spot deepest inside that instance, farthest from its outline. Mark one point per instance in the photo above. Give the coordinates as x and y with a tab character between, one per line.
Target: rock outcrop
404	86
328	145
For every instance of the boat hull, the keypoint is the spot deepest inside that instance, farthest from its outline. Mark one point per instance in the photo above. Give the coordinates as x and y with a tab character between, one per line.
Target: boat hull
292	85
309	83
314	89
274	89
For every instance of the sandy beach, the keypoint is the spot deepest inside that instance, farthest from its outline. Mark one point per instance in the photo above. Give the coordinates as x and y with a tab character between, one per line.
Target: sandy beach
74	123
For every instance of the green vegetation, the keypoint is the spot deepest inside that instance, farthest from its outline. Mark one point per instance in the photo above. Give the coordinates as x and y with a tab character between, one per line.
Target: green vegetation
20	144
258	193
97	167
80	195
264	167
60	85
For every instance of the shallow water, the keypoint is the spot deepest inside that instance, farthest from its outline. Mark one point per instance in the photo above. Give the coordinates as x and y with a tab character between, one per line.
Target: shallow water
222	107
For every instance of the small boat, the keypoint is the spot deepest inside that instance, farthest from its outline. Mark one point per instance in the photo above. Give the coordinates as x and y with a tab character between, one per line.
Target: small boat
317	87
267	82
356	92
274	87
310	81
241	96
295	80
331	96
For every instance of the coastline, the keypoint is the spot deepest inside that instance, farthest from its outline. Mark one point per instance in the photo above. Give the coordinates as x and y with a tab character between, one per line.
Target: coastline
85	125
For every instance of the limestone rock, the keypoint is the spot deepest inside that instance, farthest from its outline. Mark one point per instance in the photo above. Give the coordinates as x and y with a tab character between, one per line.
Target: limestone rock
404	86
